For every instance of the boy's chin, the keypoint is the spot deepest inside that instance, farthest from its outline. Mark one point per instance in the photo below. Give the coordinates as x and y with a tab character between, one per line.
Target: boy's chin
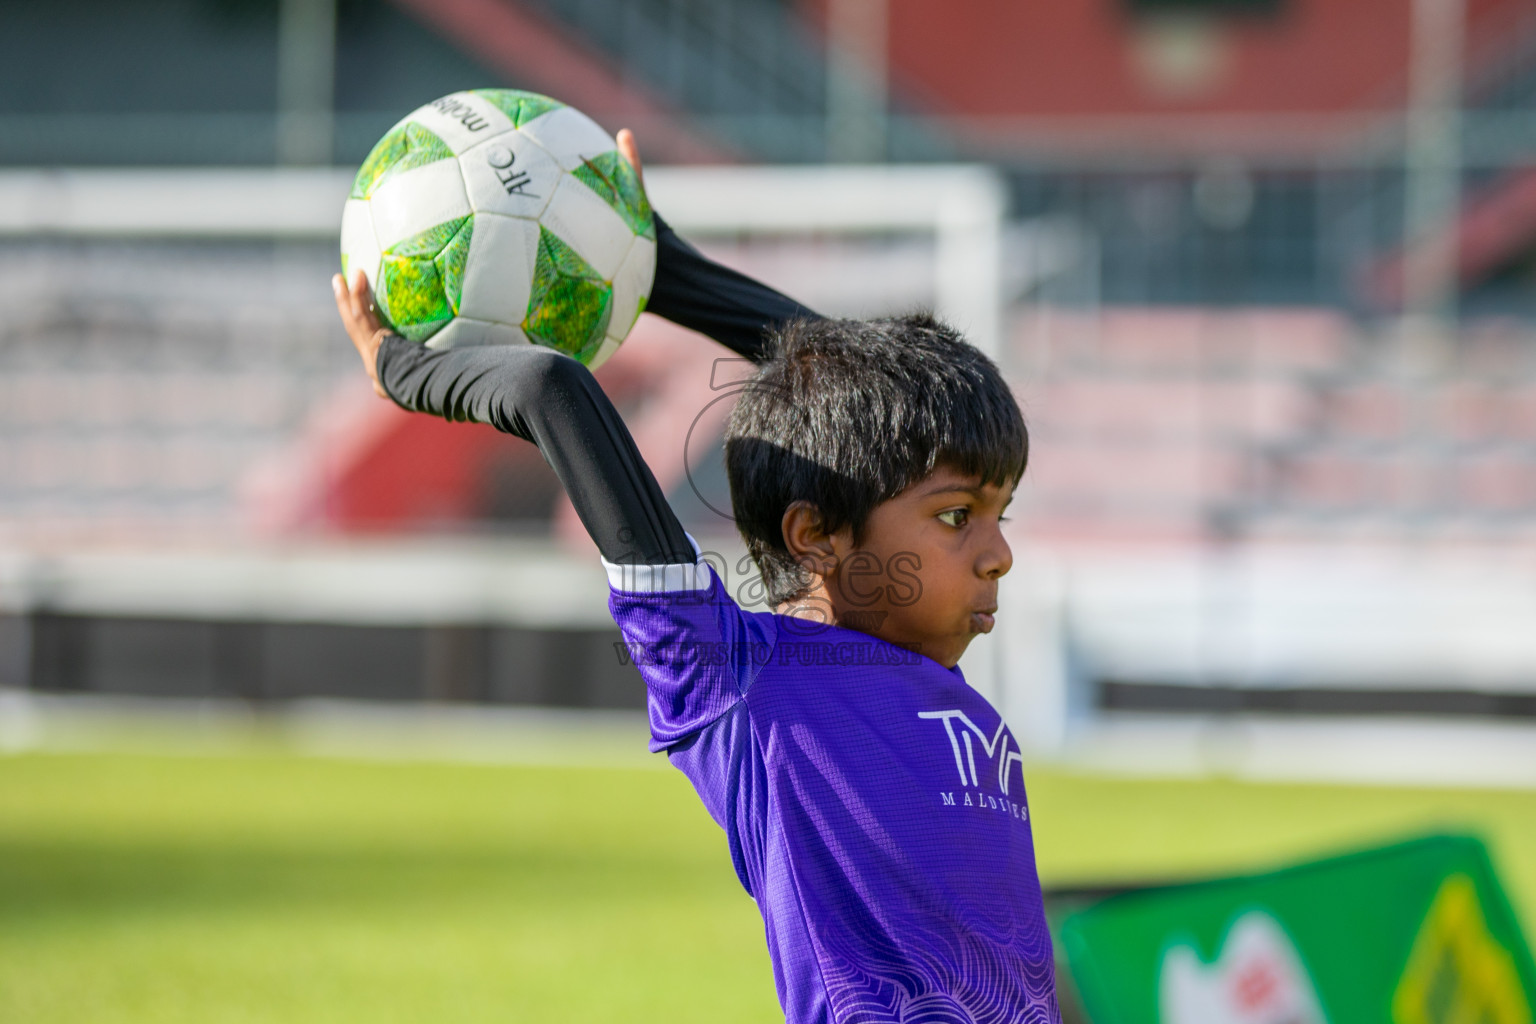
949	654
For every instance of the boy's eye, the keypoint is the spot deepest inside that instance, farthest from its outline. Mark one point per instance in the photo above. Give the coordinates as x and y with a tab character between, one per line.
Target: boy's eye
955	517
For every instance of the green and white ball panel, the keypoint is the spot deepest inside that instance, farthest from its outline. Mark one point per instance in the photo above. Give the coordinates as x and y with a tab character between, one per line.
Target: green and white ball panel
569	136
499	275
610	176
421	278
631	286
359	248
511	175
416	200
571	303
582	220
462	120
465	332
521	107
405	146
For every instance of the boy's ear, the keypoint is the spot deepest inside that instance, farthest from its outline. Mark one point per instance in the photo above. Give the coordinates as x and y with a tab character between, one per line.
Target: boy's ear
807	540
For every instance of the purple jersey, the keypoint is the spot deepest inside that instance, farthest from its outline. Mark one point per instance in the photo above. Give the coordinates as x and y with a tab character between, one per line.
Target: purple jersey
873	804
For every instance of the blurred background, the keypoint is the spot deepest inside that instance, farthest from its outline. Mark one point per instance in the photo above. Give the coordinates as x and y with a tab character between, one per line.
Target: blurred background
1260	272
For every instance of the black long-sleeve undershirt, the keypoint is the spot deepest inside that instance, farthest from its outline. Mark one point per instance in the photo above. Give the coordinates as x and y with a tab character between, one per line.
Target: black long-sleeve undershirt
555	402
694	291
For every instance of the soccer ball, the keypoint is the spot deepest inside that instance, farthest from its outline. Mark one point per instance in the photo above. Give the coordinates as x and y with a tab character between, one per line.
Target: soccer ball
499	217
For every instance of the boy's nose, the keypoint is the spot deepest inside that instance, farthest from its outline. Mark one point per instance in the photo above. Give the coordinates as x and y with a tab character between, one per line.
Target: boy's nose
996	557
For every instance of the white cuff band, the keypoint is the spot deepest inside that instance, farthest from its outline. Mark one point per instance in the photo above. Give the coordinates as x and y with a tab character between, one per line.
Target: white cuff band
659	579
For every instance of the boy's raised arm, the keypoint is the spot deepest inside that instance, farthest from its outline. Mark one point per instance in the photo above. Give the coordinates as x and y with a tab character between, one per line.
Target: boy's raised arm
552	400
541	396
696	292
721	303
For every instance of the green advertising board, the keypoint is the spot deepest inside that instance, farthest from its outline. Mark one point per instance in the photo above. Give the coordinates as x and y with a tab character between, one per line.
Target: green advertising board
1417	933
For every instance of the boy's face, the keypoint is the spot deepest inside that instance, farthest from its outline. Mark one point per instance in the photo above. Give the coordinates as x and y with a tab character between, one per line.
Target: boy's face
925	575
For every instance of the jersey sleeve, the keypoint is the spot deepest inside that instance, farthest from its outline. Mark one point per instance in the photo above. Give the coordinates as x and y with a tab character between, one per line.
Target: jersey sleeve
695	292
695	647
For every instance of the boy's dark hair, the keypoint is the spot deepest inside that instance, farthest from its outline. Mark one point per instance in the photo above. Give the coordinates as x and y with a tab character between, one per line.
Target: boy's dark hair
846	414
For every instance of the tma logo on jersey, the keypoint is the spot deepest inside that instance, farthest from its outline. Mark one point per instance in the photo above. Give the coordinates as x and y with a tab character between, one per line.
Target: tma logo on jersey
1000	750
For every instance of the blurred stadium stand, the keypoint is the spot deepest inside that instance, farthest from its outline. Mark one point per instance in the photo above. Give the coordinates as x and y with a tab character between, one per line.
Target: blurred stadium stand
140	381
1279	423
1242	456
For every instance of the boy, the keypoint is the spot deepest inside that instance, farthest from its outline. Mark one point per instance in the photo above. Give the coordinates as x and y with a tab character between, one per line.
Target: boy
873	802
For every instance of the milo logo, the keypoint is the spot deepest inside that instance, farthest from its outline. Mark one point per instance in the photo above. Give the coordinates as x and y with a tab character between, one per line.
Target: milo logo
461	112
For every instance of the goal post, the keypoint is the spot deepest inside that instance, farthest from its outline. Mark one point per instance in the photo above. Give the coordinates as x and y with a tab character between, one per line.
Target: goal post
961	207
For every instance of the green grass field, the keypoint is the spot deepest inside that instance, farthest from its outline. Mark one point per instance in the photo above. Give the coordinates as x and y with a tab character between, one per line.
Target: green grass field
271	887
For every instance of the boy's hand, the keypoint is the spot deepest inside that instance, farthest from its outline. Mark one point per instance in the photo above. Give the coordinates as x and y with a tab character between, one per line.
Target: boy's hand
631	152
358	316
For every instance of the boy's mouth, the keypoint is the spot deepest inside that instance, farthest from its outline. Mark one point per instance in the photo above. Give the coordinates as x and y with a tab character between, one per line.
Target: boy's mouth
983	619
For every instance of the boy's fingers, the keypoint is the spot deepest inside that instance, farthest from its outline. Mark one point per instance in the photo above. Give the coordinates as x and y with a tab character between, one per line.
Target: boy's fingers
353	308
630	151
344	303
360	296
355	304
361	300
